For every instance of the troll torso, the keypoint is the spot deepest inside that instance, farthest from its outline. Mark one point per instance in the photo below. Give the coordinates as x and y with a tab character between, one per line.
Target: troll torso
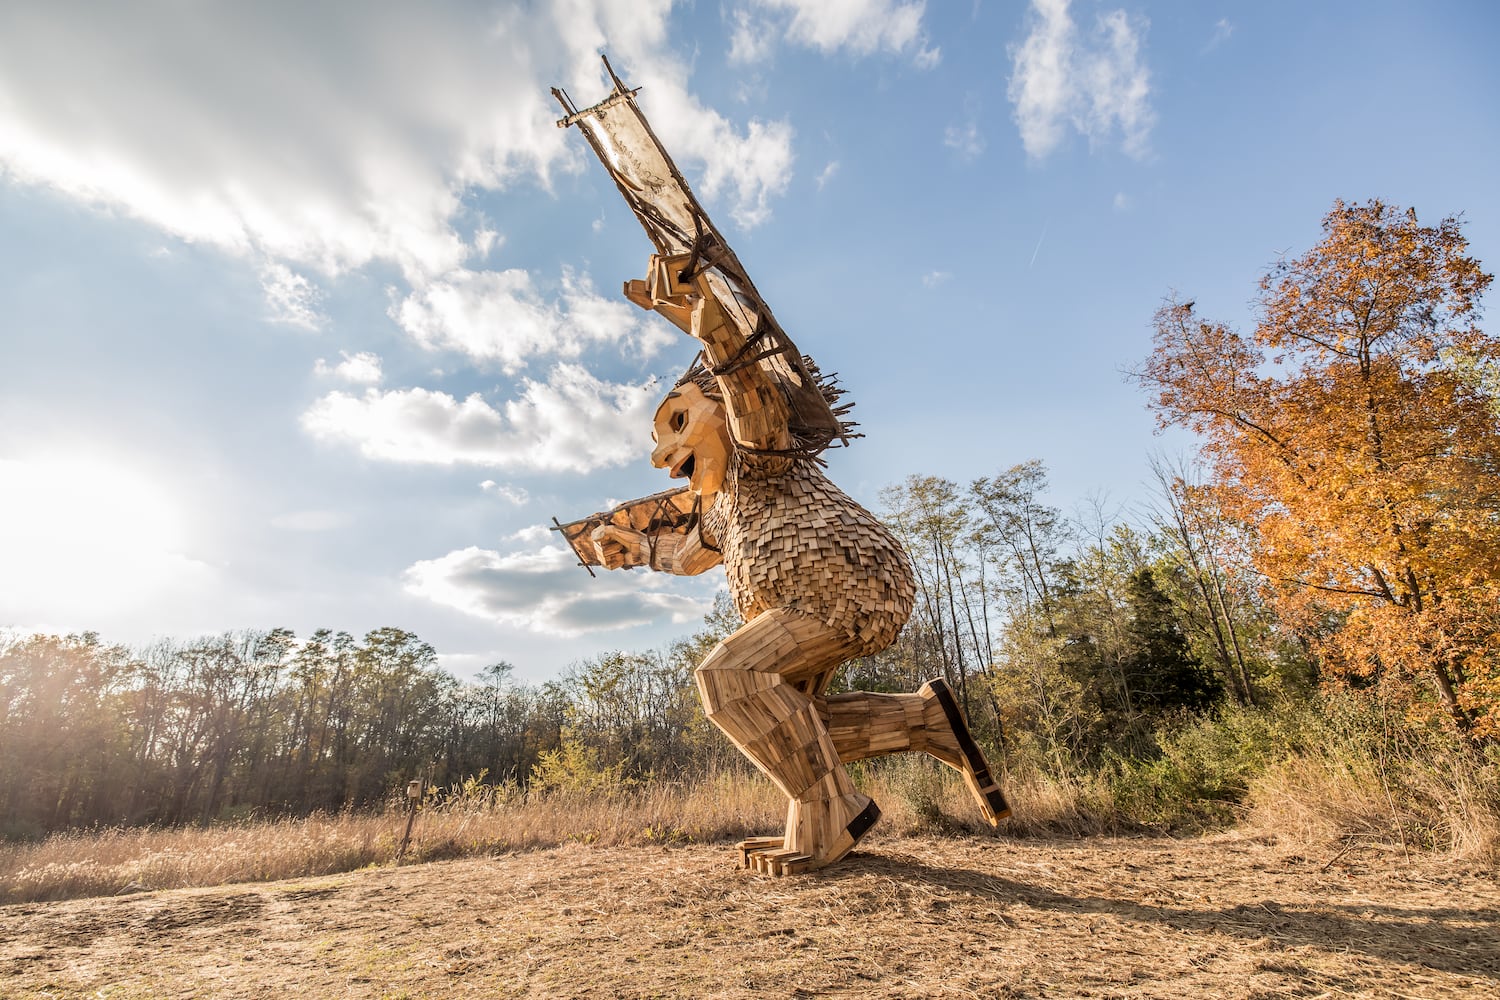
792	539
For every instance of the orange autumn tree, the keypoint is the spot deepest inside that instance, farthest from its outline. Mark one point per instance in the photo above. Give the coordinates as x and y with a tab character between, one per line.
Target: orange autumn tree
1356	438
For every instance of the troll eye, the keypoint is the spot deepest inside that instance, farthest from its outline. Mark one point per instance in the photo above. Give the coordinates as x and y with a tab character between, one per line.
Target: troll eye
679	420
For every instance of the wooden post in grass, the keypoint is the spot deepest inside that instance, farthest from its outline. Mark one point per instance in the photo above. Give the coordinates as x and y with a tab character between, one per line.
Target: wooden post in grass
413	797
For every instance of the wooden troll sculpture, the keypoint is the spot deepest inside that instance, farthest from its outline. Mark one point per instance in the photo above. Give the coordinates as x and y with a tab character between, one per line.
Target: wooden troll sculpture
817	578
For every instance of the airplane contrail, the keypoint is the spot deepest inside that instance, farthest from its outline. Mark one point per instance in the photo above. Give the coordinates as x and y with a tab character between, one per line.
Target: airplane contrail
1038	246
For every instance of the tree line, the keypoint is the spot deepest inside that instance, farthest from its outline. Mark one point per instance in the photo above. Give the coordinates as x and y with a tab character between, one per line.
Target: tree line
1088	656
258	722
1340	525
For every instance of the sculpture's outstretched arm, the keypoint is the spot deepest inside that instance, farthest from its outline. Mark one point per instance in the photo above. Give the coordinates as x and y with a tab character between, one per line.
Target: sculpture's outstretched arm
683	555
662	531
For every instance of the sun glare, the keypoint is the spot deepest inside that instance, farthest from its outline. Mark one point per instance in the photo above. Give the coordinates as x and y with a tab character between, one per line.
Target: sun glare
78	530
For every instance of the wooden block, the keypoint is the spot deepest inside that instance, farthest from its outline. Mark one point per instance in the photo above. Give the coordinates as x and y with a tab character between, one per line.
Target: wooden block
781	862
637	292
753	845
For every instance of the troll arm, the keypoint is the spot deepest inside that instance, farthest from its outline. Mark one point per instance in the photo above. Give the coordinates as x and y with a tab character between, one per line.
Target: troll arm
679	554
696	281
741	347
661	531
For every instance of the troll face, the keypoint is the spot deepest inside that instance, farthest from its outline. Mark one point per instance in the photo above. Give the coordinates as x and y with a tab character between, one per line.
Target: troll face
692	439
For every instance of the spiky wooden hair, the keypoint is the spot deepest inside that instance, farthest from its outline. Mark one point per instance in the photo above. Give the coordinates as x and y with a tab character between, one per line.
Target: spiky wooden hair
810	435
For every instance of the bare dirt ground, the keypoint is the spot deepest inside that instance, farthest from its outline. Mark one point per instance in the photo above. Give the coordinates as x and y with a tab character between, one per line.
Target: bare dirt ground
1225	916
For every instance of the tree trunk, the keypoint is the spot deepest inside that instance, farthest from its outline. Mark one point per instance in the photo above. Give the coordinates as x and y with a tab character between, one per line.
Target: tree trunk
1443	681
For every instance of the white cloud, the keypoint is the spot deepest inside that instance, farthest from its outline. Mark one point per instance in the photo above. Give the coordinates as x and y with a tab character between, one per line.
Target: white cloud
572	422
932	279
256	127
362	368
532	536
326	138
756	166
485	241
1040	86
752	38
506	492
1096	85
862	27
544	590
965	140
501	317
928	58
1223	29
1122	202
291	297
828	173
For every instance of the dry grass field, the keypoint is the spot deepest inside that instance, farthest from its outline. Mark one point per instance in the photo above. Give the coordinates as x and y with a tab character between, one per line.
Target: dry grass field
1328	888
906	917
483	820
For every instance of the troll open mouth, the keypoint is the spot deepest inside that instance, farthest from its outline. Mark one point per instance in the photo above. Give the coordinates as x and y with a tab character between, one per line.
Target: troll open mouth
685	470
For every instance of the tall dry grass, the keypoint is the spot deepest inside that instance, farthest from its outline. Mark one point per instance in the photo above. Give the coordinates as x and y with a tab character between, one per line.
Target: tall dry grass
1343	768
474	819
1313	776
919	796
1431	794
105	862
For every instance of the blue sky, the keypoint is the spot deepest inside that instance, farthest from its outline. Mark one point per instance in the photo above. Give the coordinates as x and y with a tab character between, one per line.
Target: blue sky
311	314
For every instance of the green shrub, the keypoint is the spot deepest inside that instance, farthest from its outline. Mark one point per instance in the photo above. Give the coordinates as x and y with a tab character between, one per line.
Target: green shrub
1204	767
574	767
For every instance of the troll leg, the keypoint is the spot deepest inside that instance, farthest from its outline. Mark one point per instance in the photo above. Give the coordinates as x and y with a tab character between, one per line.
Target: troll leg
753	688
863	724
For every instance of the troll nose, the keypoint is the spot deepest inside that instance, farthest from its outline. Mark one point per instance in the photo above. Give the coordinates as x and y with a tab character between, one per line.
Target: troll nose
659	456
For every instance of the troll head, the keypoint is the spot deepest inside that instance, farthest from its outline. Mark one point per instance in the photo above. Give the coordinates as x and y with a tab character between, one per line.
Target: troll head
691	430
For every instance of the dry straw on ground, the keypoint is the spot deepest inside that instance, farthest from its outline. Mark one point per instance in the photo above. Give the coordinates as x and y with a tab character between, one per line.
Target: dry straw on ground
635	895
956	916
